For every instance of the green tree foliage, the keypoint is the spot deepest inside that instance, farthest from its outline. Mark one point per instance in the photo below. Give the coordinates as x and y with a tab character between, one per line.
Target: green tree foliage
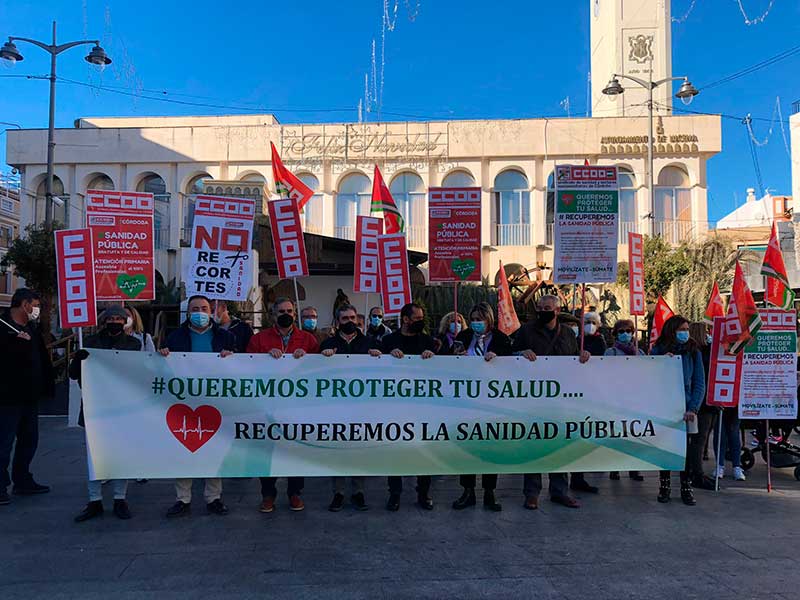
663	264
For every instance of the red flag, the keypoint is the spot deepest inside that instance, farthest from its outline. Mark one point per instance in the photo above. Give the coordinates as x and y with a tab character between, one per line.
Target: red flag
382	201
716	307
287	184
660	316
585	162
778	292
507	320
743	320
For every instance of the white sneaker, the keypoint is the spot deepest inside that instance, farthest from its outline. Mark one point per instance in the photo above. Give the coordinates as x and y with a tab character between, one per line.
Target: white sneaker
738	474
719	473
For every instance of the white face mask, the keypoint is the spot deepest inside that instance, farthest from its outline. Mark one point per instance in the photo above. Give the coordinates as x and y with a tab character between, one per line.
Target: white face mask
589	328
34	313
129	323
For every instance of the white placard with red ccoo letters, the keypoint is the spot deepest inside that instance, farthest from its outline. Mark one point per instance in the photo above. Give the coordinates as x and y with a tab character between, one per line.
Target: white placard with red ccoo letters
287	238
395	280
75	268
636	274
367	270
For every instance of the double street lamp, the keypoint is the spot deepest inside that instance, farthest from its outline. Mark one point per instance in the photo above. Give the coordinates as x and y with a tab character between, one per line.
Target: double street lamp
686	92
97	56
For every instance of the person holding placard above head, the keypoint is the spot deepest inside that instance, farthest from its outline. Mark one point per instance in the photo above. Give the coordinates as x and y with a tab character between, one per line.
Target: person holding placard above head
545	336
450	326
376	328
348	339
675	341
481	340
199	333
283	338
412	340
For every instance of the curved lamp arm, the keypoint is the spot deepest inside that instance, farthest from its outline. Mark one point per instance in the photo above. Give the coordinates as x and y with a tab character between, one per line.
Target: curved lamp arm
54	49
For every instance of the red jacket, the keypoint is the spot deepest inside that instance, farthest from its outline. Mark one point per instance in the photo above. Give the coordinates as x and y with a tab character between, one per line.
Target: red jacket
269	339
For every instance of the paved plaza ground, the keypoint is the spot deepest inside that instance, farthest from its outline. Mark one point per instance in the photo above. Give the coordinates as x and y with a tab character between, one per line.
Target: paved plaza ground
740	543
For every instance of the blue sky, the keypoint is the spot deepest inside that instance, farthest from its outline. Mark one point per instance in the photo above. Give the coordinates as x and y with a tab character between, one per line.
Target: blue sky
306	61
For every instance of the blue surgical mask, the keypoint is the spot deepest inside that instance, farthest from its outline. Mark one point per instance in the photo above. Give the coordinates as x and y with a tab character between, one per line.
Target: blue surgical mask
375	321
709	339
199	319
682	337
575	330
309	324
455	328
478	327
624	337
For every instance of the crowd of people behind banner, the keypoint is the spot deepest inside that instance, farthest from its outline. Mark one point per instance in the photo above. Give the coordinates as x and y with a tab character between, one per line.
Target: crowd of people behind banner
209	327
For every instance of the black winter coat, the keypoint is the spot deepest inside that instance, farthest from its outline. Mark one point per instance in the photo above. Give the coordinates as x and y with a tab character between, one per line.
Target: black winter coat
500	344
25	367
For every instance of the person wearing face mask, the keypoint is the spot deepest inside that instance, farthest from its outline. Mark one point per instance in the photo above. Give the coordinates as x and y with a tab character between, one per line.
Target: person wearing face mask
624	345
199	333
27	375
111	336
481	340
410	339
283	338
545	336
376	328
348	339
675	341
706	415
450	326
135	328
574	323
240	330
309	318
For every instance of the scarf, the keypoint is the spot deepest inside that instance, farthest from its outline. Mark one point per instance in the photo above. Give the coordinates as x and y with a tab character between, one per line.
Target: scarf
628	349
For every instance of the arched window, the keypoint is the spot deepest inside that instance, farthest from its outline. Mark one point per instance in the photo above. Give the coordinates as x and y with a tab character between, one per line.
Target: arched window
628	221
512	209
196	184
194	187
408	192
458	179
353	199
60	201
312	212
154	184
673	205
100	182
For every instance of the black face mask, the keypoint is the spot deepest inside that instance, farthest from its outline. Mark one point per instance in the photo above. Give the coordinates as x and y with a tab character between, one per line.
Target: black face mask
284	320
416	327
348	328
114	328
545	316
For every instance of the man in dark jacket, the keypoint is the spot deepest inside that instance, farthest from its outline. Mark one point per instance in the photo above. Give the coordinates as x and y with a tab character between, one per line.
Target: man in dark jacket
240	330
110	337
27	374
199	334
547	337
376	328
348	339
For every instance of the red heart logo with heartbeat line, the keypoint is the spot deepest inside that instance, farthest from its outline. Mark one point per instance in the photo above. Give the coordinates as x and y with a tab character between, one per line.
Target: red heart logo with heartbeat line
193	428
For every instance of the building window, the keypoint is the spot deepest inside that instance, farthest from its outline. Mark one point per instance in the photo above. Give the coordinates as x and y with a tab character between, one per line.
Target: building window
194	188
512	209
458	179
7	205
154	184
408	192
352	200
312	211
100	182
628	221
673	205
6	235
60	202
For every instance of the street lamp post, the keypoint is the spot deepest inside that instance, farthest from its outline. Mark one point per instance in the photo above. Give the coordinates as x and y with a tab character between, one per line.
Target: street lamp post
97	56
686	92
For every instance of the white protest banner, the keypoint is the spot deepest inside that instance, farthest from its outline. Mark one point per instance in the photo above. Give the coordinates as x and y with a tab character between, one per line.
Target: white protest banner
366	269
395	280
75	269
287	238
586	224
199	415
768	388
219	263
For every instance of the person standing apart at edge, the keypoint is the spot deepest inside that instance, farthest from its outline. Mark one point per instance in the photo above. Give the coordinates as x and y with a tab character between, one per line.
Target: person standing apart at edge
282	338
674	340
449	327
411	340
376	328
594	344
624	345
240	330
199	334
701	334
27	374
482	340
111	336
135	328
309	319
348	339
547	337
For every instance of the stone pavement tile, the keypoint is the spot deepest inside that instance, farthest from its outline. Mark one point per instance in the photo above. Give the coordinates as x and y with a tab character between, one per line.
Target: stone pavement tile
47	568
530	587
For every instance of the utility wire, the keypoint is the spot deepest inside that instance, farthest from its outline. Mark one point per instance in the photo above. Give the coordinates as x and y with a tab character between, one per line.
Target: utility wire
753	68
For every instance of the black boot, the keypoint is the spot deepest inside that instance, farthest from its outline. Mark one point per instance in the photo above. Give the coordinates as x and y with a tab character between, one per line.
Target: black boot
664	489
92	510
687	495
490	502
635	476
466	500
614	476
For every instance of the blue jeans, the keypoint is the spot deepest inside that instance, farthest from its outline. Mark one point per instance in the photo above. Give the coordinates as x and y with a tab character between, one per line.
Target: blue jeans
731	439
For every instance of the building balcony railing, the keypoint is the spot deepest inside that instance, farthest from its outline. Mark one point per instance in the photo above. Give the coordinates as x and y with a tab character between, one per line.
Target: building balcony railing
347	232
516	234
5	240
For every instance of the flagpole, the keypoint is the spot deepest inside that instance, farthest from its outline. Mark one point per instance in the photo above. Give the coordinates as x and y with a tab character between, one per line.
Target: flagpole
455	302
769	462
719	449
583	309
297	302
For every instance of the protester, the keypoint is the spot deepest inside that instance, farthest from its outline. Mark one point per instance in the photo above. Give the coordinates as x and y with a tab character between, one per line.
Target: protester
241	331
309	319
348	339
111	336
377	329
135	328
571	321
360	322
675	340
199	333
481	340
624	333
283	338
27	375
547	337
449	327
410	340
706	415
